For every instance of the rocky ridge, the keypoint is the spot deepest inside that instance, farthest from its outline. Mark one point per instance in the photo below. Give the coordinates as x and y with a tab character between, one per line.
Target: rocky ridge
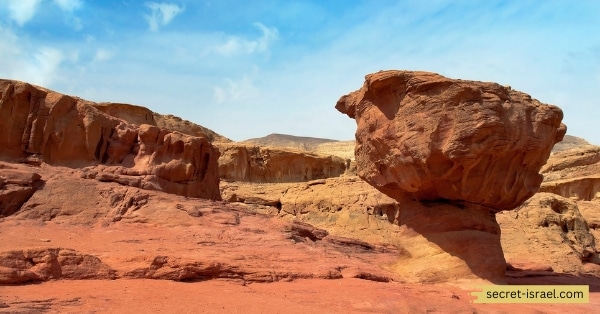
240	162
142	115
39	125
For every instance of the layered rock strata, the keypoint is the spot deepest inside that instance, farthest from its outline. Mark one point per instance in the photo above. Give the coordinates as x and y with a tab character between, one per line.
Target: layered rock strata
39	125
574	173
452	153
239	162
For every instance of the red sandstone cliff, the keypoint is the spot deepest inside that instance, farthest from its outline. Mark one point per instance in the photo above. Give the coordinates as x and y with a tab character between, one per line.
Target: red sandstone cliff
41	125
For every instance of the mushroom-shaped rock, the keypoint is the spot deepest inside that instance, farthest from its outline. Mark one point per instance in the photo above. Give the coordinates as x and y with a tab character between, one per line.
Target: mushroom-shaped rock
437	138
435	143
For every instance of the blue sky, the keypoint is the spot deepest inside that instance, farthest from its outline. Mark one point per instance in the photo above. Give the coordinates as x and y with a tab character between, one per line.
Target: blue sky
249	68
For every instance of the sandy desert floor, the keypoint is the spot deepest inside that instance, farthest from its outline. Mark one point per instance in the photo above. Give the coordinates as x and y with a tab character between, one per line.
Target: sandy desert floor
346	295
216	296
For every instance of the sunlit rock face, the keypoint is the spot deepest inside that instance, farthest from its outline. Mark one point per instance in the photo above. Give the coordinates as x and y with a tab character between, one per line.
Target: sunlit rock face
39	125
452	153
432	137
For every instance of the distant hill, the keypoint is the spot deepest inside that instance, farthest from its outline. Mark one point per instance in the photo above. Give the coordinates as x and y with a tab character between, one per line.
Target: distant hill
570	142
290	141
343	149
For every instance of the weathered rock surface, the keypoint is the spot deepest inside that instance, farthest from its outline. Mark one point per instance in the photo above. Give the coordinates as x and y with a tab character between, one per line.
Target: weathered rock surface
432	137
335	228
550	231
142	115
16	187
583	188
346	206
41	125
349	207
574	173
571	158
240	162
452	153
169	237
21	266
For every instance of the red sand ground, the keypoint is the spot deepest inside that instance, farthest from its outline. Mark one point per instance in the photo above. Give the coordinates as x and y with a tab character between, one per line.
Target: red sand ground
348	295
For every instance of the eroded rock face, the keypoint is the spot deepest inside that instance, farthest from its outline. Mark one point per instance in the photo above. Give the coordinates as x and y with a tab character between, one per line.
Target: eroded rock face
39	124
16	187
141	115
42	264
550	230
239	162
452	153
573	173
432	137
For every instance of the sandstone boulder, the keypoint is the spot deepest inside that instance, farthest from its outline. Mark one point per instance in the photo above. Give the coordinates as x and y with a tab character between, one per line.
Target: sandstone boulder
63	130
16	187
452	153
432	137
21	266
550	230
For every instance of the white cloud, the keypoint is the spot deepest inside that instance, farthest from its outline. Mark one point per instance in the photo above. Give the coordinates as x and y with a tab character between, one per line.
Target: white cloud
68	5
103	55
21	11
236	90
161	14
9	49
43	68
19	60
237	45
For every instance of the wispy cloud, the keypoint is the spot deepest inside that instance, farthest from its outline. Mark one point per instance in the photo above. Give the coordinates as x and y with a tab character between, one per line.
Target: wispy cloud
21	60
161	14
44	67
236	90
68	5
103	55
21	11
238	45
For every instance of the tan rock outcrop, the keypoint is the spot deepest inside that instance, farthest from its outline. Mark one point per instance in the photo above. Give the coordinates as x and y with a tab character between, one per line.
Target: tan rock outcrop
571	158
239	162
452	153
582	188
573	173
549	230
63	130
